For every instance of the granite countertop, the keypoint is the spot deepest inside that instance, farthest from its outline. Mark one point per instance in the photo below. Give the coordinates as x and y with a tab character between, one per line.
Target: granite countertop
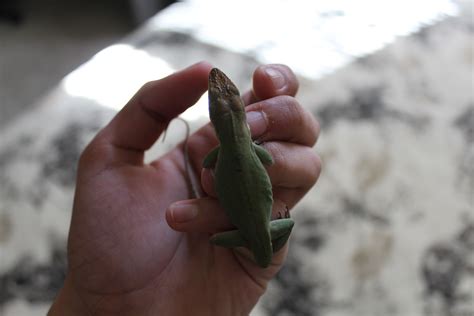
388	229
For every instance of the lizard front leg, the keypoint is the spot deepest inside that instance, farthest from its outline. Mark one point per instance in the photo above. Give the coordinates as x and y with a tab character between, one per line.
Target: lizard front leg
211	158
263	154
280	230
229	239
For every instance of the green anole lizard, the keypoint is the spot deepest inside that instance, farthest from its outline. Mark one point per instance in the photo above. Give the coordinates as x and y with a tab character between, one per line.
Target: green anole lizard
242	184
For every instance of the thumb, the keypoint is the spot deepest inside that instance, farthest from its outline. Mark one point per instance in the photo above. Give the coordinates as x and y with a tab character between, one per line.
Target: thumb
139	124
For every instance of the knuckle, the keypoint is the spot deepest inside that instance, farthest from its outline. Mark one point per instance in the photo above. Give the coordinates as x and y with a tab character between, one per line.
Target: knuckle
277	154
147	86
315	129
290	109
314	167
94	152
88	157
288	101
296	113
296	116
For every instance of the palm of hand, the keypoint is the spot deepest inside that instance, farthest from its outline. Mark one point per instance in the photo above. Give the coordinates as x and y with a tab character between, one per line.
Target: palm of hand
130	251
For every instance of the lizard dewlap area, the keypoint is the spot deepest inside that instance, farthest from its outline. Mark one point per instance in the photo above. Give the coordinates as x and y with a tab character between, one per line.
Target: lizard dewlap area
242	184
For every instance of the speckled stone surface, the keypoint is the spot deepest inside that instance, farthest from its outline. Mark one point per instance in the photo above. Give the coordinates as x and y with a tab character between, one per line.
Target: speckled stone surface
388	229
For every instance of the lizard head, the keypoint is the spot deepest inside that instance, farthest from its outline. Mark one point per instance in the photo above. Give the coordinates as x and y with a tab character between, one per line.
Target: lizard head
225	103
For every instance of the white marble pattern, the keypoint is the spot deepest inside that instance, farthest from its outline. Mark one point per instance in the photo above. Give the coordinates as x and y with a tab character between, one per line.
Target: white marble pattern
390	224
388	229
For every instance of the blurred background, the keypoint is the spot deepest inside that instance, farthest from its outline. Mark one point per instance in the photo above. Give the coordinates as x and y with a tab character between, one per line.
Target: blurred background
388	229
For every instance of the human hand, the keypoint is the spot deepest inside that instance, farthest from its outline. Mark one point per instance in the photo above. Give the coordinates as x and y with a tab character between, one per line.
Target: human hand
124	258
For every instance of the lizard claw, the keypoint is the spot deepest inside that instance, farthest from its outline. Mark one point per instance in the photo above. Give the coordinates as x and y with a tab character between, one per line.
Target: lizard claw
287	213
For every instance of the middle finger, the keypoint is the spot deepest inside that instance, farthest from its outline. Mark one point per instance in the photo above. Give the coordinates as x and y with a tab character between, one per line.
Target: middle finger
282	118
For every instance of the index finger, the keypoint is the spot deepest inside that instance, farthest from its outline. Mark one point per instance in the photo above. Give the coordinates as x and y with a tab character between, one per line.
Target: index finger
270	81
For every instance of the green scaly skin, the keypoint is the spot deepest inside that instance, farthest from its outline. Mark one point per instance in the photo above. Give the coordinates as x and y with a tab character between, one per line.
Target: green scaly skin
242	184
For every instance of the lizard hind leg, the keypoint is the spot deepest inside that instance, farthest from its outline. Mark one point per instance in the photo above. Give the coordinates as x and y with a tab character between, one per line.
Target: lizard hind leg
280	230
229	239
233	239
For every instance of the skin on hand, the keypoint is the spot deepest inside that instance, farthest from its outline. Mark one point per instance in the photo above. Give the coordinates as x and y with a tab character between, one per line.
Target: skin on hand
137	245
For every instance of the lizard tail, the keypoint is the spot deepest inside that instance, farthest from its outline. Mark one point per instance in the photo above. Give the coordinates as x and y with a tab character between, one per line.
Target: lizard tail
263	251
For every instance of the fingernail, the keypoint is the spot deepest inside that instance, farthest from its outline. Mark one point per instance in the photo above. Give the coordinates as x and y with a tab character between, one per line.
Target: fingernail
257	122
182	212
278	79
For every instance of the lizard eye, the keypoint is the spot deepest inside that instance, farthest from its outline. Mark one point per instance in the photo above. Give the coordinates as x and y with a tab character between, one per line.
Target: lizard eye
236	104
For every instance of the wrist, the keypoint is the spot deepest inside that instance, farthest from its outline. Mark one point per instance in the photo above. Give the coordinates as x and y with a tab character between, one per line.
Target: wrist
68	302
